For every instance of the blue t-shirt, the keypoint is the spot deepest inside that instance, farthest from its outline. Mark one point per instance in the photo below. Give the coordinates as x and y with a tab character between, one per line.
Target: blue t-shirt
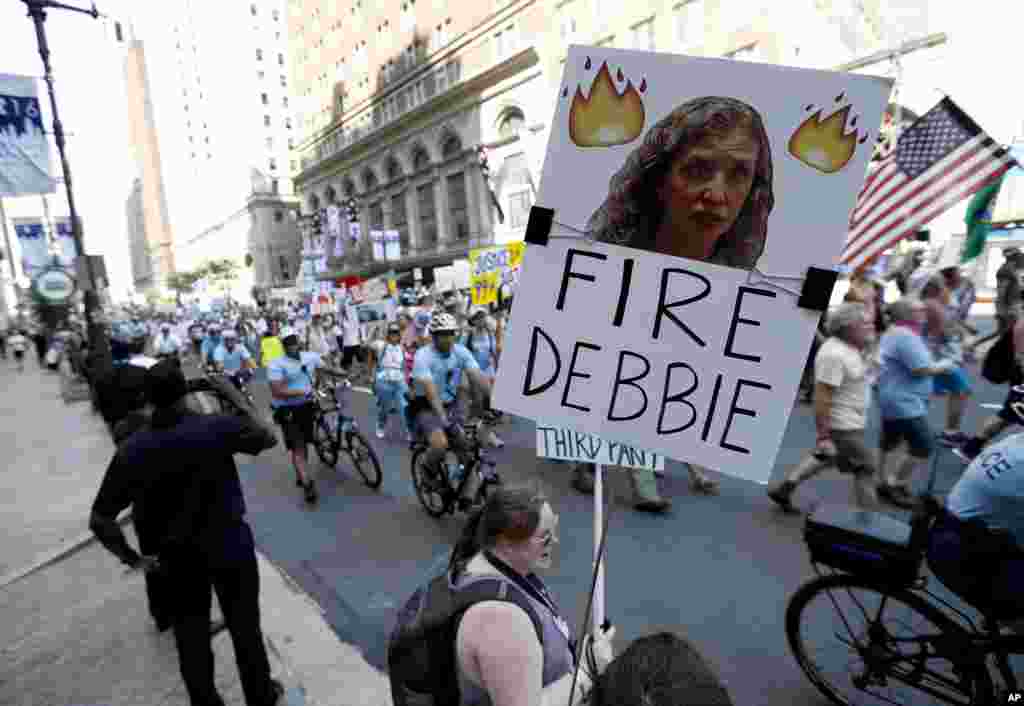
442	369
992	488
231	360
209	347
900	394
290	371
483	350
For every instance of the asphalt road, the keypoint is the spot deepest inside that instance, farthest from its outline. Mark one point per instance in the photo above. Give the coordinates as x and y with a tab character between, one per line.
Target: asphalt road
720	568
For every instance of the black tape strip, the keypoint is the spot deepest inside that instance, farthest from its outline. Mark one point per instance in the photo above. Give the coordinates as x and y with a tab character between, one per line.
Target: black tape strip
538	228
817	289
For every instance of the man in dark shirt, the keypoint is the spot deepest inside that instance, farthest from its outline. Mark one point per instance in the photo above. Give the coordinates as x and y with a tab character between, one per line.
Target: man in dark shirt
180	477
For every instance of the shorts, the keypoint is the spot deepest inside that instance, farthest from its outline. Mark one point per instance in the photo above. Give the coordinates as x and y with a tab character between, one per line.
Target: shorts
852	454
954	382
915	431
297	424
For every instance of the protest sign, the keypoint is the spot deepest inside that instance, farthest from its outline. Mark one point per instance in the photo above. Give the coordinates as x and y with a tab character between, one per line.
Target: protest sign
567	444
490	268
674	327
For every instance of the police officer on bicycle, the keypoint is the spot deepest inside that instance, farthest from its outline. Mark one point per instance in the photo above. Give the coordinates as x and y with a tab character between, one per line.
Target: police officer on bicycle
291	385
233	358
435	405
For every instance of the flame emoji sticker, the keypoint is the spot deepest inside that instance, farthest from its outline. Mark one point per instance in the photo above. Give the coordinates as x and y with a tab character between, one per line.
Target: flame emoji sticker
606	117
824	145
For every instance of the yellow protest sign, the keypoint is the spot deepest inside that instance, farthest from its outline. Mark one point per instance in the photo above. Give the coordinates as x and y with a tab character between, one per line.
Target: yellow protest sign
490	268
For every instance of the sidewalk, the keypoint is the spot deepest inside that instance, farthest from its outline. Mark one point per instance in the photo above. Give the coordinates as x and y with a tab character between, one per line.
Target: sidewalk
76	628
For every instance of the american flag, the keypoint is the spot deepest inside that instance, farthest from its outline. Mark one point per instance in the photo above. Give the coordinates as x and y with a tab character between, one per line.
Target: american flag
941	159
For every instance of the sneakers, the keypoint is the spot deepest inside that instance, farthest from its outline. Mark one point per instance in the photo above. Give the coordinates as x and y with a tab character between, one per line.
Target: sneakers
952	438
311	494
379	429
657	506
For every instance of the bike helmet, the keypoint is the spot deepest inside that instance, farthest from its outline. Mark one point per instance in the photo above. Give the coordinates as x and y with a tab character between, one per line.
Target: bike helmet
442	322
394	328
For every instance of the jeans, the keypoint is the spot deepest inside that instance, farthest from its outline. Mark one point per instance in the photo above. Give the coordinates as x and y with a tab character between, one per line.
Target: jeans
391	398
236	580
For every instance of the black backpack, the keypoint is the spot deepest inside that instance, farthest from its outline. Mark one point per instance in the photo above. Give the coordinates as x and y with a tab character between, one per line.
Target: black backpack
422	665
999	364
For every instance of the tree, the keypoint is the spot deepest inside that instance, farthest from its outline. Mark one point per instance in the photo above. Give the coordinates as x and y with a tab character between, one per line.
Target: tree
184	283
221	273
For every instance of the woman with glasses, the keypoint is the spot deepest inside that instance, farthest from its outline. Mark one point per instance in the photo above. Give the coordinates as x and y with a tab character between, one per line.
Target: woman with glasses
500	659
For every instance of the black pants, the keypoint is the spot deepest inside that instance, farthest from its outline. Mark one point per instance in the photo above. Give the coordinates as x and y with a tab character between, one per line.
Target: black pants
40	342
348	354
237	584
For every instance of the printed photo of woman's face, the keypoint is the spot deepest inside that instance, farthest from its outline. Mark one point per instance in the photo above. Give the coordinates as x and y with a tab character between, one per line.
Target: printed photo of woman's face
704	188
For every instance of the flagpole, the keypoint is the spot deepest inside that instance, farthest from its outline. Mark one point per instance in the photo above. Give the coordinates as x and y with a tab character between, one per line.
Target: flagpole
598	611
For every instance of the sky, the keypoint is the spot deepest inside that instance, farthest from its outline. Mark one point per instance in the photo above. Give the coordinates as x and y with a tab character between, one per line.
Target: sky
89	82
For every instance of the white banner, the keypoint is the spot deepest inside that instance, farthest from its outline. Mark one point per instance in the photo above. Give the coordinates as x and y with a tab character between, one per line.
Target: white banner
25	165
680	332
569	445
35	255
354	232
392	245
66	242
377	238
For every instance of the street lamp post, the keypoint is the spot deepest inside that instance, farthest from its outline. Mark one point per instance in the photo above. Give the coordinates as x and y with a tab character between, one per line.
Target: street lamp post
37	11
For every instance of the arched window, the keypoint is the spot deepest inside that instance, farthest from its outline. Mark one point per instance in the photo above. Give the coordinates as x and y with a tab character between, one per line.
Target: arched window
330	195
369	180
512	121
394	169
451	147
314	202
349	188
420	159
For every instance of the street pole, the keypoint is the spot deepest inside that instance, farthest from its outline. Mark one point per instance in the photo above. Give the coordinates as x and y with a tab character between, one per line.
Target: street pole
37	11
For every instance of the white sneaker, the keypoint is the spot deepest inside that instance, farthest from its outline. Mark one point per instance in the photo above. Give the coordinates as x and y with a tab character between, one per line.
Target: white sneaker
380	430
493	440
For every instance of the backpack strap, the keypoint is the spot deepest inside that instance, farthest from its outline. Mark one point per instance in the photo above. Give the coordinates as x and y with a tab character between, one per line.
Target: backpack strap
494	588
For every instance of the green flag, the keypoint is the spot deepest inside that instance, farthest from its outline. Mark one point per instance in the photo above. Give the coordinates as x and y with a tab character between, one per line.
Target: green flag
979	220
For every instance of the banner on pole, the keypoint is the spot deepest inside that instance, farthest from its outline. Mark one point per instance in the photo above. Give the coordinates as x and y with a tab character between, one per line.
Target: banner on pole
25	164
392	245
66	242
377	238
35	253
564	444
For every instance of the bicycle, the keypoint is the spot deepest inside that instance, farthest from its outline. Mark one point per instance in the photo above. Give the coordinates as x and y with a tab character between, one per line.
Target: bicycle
335	431
949	662
430	482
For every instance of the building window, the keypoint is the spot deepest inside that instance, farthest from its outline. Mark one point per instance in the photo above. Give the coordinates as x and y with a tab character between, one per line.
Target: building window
279	215
399	220
284	101
264	99
511	123
270	143
288	123
291	143
408	15
643	35
259	55
519	204
284	81
457	206
277	15
294	165
369	180
394	170
567	25
420	160
689	23
266	121
451	148
273	164
280	59
252	9
428	217
377	215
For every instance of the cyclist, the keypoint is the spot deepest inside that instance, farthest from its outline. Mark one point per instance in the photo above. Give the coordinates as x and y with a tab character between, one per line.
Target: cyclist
233	358
291	386
435	404
977	547
210	343
166	344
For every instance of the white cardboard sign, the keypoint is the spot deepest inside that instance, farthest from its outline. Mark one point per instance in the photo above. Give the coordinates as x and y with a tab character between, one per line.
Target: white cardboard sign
566	444
708	188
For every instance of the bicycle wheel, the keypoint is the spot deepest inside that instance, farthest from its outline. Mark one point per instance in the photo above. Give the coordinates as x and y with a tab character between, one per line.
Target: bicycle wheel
324	442
364	458
431	490
886	659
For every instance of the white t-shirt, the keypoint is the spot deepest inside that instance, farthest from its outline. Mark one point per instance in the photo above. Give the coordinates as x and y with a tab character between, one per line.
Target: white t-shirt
17	342
842	367
390	360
